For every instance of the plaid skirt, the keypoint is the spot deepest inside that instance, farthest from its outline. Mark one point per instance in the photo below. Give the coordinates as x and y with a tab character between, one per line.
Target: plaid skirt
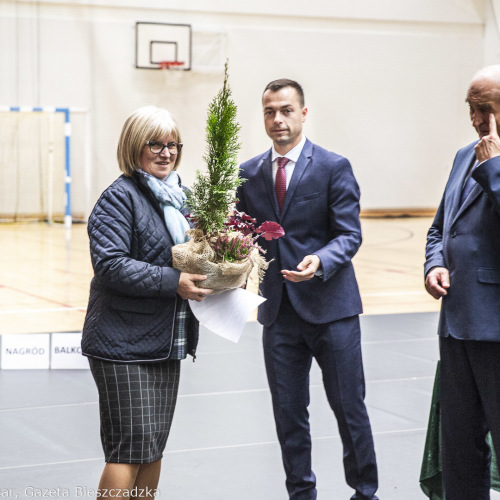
136	405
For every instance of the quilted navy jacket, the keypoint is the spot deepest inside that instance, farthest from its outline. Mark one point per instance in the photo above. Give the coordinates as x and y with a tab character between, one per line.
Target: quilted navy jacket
132	303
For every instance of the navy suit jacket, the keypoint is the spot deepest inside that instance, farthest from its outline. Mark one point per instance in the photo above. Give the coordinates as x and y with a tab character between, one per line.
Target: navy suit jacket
320	216
466	240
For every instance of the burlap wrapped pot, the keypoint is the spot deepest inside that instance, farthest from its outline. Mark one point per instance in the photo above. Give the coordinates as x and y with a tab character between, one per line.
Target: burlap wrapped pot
197	257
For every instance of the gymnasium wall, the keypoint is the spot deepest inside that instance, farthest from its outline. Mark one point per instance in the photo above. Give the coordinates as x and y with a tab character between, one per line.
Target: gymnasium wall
385	81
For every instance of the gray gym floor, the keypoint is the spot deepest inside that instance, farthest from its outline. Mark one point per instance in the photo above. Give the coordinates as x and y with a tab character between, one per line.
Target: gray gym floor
223	444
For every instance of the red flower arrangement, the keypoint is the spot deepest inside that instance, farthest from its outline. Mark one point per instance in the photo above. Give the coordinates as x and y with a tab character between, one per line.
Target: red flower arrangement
240	237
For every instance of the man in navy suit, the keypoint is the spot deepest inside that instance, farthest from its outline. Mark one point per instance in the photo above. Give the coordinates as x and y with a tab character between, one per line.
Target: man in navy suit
463	267
313	301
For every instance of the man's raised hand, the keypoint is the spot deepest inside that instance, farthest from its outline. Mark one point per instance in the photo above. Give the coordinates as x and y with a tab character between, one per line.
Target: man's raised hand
489	146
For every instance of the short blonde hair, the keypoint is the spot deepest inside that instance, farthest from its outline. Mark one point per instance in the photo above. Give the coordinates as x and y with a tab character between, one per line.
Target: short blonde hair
148	123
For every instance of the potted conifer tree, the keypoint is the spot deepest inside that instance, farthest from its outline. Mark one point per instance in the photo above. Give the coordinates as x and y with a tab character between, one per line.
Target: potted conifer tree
223	244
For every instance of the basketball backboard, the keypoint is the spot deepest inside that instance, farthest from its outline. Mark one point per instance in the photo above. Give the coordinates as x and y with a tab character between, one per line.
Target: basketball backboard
160	43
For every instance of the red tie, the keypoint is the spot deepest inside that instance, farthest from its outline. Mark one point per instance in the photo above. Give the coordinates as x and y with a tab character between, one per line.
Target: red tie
280	184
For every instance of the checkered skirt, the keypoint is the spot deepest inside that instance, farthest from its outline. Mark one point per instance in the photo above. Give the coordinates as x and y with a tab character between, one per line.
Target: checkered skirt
136	404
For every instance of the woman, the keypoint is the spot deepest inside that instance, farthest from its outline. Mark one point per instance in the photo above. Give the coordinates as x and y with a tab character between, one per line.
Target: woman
138	324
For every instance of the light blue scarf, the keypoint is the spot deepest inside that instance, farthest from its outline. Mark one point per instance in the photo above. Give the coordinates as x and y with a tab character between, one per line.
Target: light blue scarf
172	199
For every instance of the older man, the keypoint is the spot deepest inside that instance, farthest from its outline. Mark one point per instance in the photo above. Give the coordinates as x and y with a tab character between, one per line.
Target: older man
463	268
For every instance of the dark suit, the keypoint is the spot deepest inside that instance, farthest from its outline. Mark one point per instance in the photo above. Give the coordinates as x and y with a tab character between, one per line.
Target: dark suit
316	318
465	239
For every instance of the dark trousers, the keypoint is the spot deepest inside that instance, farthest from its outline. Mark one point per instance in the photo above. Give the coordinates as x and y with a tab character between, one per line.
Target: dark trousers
289	346
470	407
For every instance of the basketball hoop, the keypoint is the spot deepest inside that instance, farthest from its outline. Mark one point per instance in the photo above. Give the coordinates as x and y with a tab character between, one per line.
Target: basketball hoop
171	64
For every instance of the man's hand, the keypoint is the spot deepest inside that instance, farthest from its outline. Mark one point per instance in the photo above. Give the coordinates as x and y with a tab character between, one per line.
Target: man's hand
437	282
307	268
187	288
489	146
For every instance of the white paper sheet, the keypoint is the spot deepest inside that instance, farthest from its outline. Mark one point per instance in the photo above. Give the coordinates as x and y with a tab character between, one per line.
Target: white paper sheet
226	314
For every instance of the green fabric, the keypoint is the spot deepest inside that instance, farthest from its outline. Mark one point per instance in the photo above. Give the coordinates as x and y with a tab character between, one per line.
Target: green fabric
495	476
430	473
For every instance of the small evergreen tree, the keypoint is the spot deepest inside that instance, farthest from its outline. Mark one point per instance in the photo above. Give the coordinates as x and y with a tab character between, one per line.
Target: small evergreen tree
213	193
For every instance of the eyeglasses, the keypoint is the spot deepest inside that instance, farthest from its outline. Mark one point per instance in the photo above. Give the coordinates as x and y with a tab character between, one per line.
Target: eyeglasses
156	147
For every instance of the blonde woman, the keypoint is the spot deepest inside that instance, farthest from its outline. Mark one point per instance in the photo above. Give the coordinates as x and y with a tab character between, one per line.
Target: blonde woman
138	325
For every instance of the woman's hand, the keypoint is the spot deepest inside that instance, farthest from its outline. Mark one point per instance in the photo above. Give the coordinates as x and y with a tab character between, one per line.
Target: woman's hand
188	290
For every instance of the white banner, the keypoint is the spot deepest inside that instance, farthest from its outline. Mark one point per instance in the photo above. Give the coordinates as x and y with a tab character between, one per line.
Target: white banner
66	352
28	351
